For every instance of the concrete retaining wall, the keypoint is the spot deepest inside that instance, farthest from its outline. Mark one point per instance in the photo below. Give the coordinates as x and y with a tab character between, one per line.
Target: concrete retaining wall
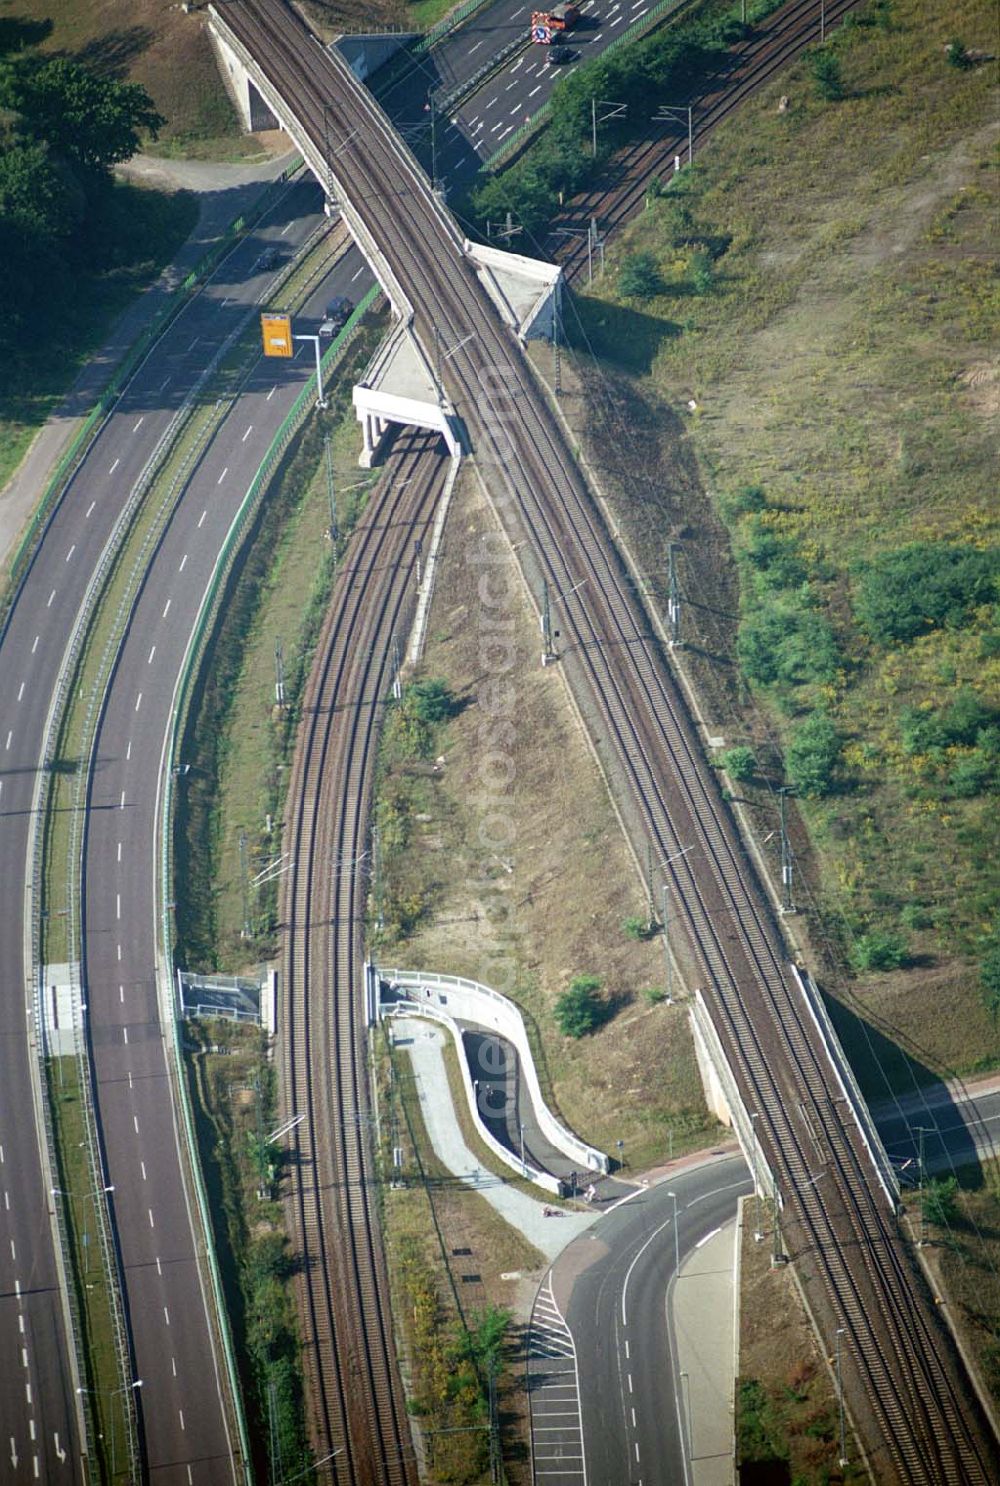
468	1001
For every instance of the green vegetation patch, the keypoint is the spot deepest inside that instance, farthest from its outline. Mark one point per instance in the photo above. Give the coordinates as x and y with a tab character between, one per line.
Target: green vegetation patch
835	362
231	1082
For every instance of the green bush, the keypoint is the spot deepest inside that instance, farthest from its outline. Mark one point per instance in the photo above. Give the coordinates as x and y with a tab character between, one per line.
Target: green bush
582	1008
786	640
740	763
812	755
922	587
989	976
939	1202
653	995
636	927
742	501
639	277
431	701
772	556
879	950
826	74
957	55
700	271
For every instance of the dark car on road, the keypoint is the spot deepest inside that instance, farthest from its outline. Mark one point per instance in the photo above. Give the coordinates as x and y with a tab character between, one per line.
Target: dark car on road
270	258
556	55
337	314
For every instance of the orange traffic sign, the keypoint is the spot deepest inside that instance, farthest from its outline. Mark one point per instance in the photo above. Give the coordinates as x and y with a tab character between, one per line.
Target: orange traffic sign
276	331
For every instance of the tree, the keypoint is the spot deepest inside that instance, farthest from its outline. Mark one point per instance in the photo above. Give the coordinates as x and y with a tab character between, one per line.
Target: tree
700	271
92	120
812	755
582	1008
740	763
825	68
639	277
432	701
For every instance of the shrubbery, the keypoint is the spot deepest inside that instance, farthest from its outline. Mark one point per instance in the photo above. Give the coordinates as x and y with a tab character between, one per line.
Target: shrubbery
740	763
812	755
922	587
639	277
786	639
879	950
582	1008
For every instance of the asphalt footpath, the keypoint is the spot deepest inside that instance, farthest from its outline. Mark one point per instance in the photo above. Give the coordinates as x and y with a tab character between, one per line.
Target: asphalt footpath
701	1311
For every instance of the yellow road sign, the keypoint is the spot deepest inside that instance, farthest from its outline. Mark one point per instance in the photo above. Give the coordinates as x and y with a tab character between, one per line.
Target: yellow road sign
276	331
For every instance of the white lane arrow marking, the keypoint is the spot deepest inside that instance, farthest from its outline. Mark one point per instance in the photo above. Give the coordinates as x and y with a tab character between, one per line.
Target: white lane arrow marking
13	1453
61	1453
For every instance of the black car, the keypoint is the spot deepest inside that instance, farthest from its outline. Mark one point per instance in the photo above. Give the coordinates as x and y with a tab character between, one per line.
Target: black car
270	258
558	54
338	312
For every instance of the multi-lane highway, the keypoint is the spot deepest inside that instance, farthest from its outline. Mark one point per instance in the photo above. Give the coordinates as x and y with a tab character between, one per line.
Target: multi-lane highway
186	1436
485	113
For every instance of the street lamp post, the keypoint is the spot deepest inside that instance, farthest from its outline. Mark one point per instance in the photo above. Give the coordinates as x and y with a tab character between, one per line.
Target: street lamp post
113	1393
677	1237
757	1235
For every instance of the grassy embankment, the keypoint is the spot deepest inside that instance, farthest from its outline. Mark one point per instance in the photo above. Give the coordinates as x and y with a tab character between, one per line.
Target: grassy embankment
824	290
549	901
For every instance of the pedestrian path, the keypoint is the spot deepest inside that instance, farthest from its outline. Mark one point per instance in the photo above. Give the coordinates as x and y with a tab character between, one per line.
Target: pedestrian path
554	1396
550	1229
703	1317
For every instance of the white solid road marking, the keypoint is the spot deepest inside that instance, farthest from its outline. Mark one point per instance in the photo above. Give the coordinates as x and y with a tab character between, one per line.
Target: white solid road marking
118	905
271	393
358	273
193	344
128	750
121	994
224	302
492	101
515	110
9	737
93	503
6	1203
69	554
183	561
138	701
287	228
166	1315
119	953
219	481
476	47
151	654
166	608
35	645
247	434
180	1413
114	466
159	1266
173	1366
630	1388
125	1035
151	1223
139	424
13	1250
633	1418
205	513
142	1168
135	1122
129	1071
164	384
24	1356
51	597
637	1450
704	1240
535	90
20	691
119	851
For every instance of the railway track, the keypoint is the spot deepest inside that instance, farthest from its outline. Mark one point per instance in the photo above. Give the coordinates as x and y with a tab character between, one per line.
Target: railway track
776	42
359	1413
903	1381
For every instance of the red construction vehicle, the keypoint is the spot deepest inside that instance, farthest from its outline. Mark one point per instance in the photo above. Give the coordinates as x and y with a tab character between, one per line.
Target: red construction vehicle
548	23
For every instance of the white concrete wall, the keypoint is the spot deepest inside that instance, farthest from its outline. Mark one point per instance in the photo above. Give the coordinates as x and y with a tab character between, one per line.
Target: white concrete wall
468	1001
